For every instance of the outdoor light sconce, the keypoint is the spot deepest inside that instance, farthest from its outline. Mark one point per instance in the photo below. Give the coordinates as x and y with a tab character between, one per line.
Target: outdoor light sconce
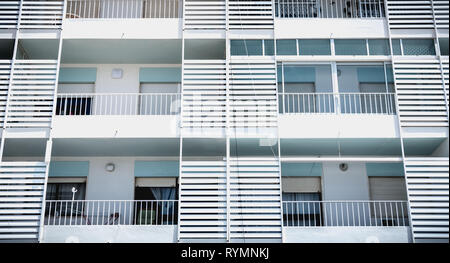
110	167
343	167
117	73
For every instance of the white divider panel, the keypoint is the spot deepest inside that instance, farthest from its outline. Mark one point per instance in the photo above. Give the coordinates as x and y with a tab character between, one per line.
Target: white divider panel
410	14
256	14
441	13
9	14
204	14
253	93
5	70
42	14
255	205
420	93
427	182
31	94
21	196
445	68
202	201
204	94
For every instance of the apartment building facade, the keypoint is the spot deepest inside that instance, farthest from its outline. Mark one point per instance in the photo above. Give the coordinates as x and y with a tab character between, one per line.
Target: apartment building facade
224	121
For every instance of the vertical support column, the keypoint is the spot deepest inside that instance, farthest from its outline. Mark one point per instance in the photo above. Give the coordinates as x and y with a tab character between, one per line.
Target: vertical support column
49	145
227	119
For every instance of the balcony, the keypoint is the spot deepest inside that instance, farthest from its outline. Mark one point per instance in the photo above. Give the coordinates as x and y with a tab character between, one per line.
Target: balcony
131	115
337	103
156	220
123	9
117	104
118	220
329	8
346	221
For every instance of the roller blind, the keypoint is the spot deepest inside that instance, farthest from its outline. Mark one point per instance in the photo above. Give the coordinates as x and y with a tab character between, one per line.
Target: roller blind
387	188
301	184
156	182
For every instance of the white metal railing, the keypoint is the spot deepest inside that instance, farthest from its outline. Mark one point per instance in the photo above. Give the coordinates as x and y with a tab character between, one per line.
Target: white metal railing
345	213
123	9
118	104
332	103
111	212
329	8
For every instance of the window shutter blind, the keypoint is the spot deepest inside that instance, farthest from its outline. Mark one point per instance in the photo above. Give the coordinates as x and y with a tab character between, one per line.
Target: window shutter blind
301	184
155	182
387	188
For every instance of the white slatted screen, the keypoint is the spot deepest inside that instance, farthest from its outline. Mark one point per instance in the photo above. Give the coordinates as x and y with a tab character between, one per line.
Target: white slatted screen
9	14
41	14
204	14
203	202
245	14
204	94
420	93
31	94
428	189
253	93
5	70
21	198
410	14
255	201
440	8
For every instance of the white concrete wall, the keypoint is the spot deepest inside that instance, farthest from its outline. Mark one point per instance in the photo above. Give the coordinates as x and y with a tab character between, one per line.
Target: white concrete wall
168	28
117	185
338	126
352	184
110	234
347	235
326	28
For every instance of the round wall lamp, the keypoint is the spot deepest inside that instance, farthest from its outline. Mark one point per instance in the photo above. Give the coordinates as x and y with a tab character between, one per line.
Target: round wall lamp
343	167
110	167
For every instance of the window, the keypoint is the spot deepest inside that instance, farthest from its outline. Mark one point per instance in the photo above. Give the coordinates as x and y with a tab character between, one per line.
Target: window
365	89
63	191
154	197
314	47
379	47
300	85
74	105
301	209
418	47
268	47
385	190
246	47
350	47
396	47
443	45
287	47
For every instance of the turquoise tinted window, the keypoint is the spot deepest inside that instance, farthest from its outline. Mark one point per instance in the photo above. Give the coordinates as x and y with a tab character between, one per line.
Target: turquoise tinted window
268	47
246	47
396	47
286	47
314	47
418	47
350	46
443	45
379	47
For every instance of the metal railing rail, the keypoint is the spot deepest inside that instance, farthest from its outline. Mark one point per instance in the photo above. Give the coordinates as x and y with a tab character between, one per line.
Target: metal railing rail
335	103
84	104
345	213
329	8
111	212
123	9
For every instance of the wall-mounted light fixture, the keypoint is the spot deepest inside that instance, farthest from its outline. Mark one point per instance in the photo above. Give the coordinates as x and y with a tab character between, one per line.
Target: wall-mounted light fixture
110	167
117	73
